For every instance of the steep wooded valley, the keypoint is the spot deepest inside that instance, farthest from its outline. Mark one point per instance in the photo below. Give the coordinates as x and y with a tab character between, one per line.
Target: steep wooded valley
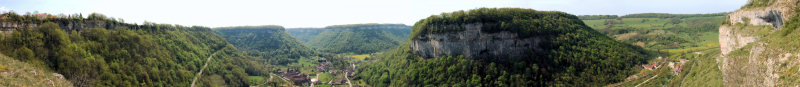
754	46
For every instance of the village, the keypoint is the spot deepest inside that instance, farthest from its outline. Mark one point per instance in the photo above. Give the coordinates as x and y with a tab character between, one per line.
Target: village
324	73
664	69
675	66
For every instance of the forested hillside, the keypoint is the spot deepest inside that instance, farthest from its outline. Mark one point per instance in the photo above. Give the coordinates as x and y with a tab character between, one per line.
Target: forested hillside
305	34
569	53
358	38
272	43
127	55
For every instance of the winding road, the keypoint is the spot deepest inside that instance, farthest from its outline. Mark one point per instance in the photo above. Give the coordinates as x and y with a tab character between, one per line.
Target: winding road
645	81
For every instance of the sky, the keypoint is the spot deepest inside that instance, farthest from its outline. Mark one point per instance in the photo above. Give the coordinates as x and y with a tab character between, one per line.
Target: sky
321	13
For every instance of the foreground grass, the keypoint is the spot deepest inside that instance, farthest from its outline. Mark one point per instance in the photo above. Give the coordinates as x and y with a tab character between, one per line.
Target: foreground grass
14	73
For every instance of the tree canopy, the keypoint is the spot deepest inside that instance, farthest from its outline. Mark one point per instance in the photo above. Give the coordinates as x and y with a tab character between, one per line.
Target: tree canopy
137	55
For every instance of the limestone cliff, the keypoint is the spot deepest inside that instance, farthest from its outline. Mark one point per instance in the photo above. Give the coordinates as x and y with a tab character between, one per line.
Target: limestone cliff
9	26
472	42
751	55
731	39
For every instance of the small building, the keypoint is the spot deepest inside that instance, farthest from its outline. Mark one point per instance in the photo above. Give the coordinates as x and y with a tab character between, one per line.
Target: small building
339	82
677	68
42	15
314	80
296	77
650	66
3	15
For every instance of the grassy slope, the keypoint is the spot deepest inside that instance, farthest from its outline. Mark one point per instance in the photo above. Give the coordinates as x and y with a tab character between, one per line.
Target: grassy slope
21	74
701	70
704	71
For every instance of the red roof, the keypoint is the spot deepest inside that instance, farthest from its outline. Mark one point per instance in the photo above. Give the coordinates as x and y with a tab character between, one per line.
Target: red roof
650	66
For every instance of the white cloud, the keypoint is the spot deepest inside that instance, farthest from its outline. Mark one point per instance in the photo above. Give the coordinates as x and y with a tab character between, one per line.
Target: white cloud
3	9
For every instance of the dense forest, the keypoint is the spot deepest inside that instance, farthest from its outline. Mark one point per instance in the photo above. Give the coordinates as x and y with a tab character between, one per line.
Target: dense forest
572	54
358	38
134	55
272	43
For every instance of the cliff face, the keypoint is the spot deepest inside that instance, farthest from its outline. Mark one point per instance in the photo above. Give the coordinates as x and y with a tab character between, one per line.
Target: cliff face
748	55
9	26
472	43
731	35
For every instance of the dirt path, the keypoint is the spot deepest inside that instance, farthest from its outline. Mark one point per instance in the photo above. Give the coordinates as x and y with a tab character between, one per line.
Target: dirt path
265	82
284	79
201	69
348	79
694	64
645	81
315	77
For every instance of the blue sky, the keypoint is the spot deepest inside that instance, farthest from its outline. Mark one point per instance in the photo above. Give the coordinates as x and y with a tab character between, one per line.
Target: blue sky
320	13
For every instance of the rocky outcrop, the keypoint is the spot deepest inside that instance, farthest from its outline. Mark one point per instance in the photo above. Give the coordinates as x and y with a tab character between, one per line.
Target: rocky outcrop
766	16
746	59
472	43
9	26
730	39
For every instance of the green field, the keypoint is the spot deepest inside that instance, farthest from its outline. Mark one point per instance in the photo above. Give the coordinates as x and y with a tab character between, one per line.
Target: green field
647	23
360	57
256	79
325	77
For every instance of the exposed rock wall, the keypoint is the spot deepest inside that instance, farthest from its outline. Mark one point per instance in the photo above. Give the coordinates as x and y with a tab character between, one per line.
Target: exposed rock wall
9	26
746	60
473	43
730	39
772	15
764	16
